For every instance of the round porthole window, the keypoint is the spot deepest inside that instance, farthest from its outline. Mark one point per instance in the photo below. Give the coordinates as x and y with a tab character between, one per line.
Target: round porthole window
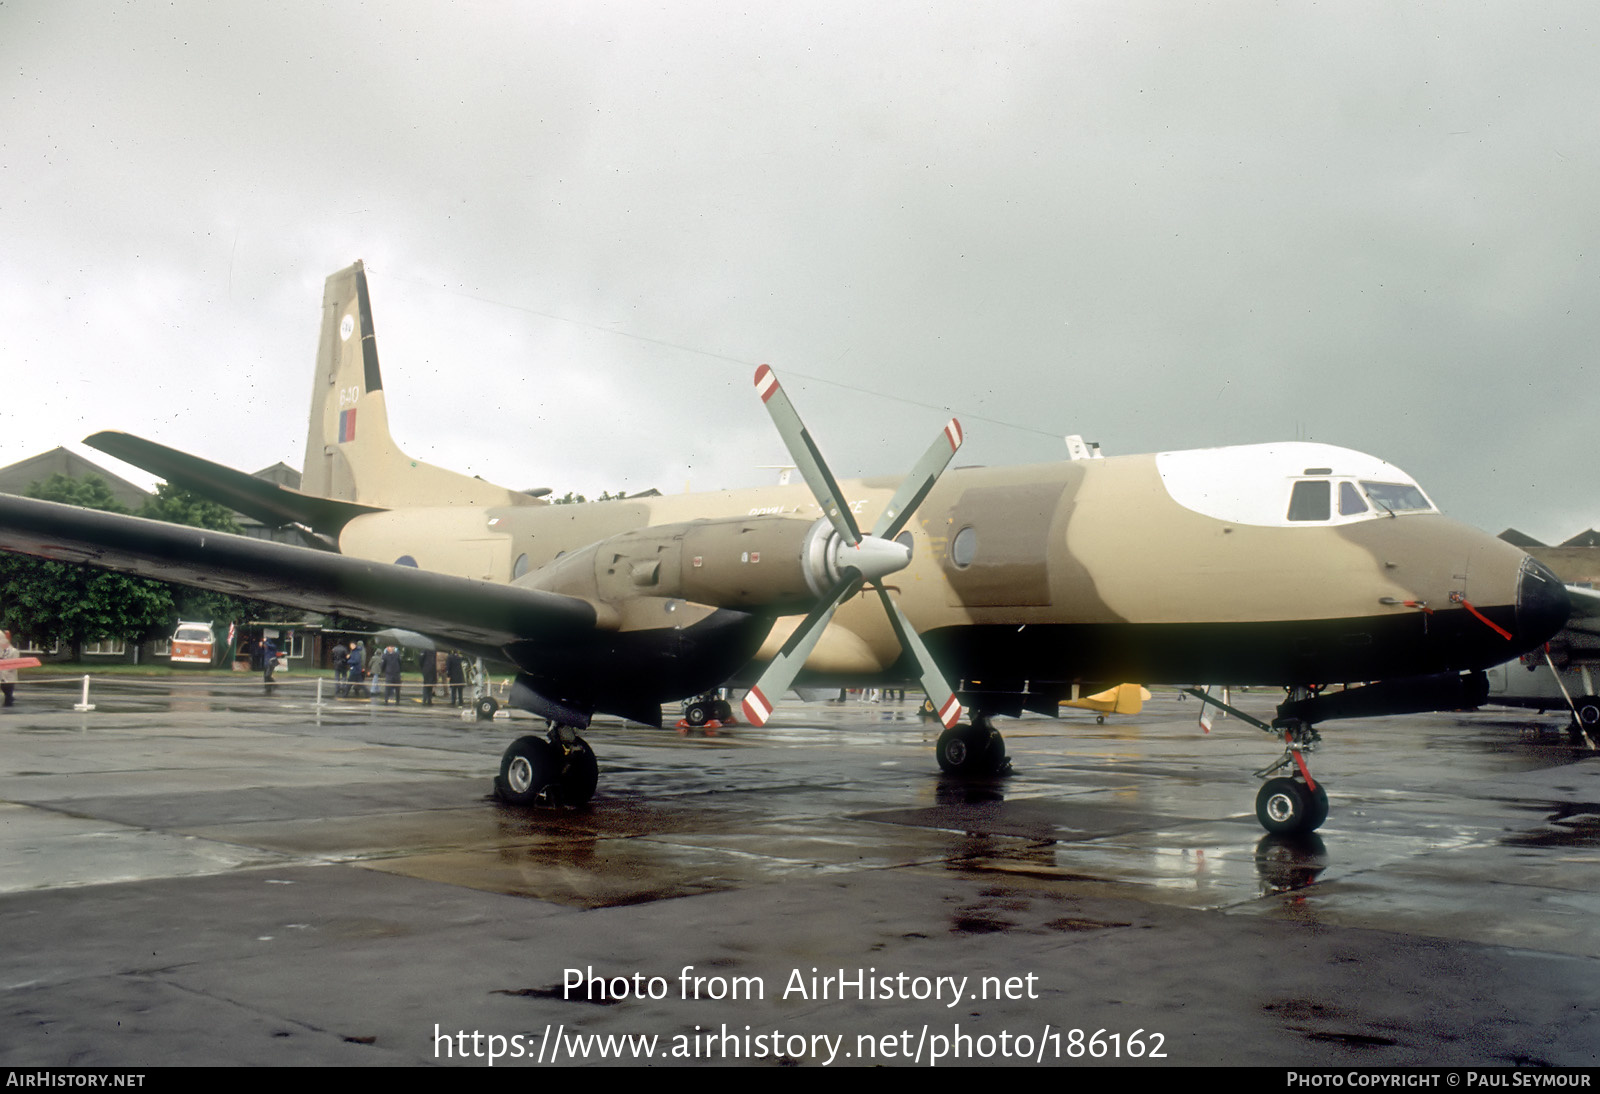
964	548
519	567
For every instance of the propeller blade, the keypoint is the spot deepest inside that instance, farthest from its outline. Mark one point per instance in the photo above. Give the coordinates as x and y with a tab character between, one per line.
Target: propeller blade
786	664
919	482
874	549
933	681
805	455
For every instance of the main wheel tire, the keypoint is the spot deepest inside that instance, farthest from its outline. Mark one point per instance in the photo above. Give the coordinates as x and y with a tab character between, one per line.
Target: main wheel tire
1318	811
697	714
1288	807
579	774
485	706
722	710
970	750
526	769
1588	711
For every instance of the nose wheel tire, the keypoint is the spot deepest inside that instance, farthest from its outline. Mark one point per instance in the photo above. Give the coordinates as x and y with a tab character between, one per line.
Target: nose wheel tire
1289	807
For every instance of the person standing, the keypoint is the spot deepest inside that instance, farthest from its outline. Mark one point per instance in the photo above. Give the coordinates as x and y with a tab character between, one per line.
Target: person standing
356	661
429	665
8	677
269	662
391	675
341	669
455	673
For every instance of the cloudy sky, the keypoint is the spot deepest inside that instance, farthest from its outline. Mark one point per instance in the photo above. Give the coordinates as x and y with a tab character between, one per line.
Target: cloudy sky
1156	224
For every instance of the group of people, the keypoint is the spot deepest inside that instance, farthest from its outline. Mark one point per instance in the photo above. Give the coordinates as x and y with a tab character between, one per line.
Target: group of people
357	667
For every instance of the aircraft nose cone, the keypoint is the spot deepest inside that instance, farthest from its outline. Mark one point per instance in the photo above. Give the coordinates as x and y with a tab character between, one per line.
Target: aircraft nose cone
1542	603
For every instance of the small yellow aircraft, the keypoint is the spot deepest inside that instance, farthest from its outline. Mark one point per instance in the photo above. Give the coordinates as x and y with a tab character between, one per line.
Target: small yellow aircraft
999	589
1122	699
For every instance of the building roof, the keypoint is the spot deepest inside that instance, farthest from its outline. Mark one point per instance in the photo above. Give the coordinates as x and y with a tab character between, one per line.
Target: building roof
17	477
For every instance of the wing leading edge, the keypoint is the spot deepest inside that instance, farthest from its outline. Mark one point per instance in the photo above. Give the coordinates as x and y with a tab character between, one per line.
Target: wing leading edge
477	615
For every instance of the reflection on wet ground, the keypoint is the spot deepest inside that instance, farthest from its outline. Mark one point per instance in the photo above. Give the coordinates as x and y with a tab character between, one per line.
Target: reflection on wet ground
1120	863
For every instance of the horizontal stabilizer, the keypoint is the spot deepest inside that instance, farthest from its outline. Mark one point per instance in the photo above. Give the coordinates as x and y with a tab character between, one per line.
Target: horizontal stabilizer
267	502
471	614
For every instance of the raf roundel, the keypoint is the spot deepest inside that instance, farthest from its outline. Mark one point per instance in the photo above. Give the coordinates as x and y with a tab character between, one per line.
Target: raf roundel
346	328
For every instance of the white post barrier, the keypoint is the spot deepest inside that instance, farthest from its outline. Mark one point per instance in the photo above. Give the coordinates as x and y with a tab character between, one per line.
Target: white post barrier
319	693
83	703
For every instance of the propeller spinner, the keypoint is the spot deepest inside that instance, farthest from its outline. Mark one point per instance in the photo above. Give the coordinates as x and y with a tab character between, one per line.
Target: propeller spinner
857	559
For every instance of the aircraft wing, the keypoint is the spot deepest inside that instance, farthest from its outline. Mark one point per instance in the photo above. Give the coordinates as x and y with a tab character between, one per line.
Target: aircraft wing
1585	617
477	615
267	502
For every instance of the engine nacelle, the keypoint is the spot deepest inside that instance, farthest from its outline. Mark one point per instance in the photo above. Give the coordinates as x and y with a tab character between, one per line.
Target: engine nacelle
770	564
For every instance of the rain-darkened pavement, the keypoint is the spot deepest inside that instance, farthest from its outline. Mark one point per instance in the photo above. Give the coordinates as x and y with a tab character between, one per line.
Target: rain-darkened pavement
193	875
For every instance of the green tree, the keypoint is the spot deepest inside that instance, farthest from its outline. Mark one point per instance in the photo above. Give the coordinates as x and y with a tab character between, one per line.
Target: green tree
78	603
569	498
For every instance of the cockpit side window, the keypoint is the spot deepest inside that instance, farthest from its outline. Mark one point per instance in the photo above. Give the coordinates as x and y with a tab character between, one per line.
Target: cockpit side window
1396	497
1310	500
1350	500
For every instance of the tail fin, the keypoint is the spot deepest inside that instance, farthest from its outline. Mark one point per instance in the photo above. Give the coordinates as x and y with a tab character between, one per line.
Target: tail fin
349	452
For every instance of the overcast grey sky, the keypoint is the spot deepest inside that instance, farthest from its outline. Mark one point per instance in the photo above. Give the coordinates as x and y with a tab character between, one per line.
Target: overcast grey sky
1160	225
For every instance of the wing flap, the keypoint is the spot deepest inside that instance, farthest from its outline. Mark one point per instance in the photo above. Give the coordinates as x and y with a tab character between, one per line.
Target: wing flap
470	613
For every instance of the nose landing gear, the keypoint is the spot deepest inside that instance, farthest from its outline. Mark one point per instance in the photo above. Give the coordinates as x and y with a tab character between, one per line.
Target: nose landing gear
1294	804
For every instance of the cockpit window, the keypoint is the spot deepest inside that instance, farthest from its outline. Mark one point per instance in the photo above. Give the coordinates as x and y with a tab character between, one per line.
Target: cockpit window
1396	497
1350	500
1311	500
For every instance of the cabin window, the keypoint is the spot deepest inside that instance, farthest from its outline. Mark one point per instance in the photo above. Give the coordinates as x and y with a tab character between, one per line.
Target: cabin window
1350	500
519	567
964	548
1311	500
1396	497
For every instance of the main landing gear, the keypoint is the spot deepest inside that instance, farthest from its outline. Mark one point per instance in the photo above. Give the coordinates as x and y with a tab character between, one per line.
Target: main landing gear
975	749
708	708
558	769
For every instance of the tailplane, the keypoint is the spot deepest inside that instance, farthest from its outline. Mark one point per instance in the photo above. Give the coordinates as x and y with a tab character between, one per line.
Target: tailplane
349	452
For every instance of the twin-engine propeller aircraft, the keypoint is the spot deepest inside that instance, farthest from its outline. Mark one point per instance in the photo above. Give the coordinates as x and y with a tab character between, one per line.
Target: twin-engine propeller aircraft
1002	590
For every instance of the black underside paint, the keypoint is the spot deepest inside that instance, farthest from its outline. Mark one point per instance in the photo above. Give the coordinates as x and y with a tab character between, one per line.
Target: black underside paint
630	674
1009	658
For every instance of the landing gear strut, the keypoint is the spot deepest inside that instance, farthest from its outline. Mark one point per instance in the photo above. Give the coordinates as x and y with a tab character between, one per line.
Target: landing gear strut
1292	805
1297	804
558	769
976	749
